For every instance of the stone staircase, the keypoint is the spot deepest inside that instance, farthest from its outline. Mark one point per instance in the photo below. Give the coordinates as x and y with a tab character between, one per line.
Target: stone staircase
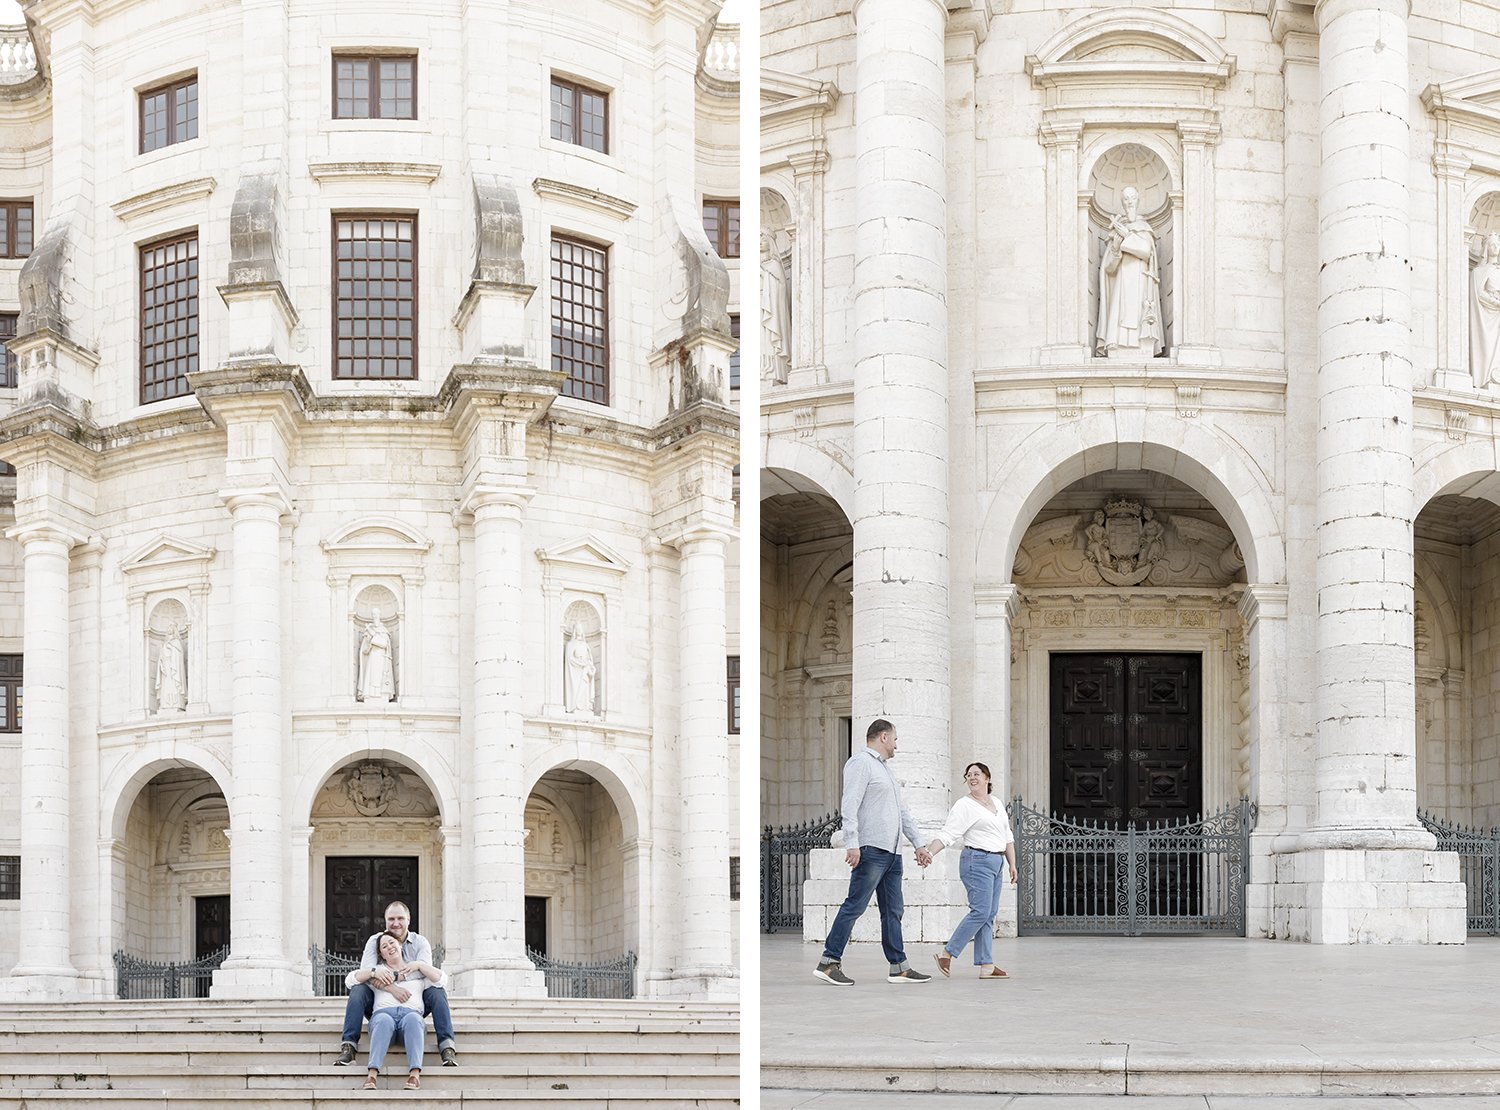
585	1054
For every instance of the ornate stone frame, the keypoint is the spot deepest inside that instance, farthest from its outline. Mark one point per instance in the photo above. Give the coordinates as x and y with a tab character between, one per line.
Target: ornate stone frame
1099	102
167	568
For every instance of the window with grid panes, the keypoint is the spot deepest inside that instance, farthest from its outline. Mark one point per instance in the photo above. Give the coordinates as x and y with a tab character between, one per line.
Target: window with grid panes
721	223
580	115
10	878
8	377
169	114
732	675
10	693
375	86
15	228
734	355
580	318
375	296
169	317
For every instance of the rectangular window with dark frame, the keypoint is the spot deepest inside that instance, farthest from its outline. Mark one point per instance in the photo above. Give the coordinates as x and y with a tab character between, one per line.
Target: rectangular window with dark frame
721	223
734	878
375	294
10	878
8	377
374	86
580	318
580	115
732	674
169	114
169	317
734	355
15	228
10	693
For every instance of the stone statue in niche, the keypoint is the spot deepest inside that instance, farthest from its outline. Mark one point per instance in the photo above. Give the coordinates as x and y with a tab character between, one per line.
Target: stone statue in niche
1484	315
377	671
371	788
170	680
775	312
1130	320
1125	542
578	673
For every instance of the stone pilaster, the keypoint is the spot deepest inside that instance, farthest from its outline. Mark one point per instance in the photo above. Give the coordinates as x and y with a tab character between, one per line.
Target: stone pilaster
257	965
901	446
1365	862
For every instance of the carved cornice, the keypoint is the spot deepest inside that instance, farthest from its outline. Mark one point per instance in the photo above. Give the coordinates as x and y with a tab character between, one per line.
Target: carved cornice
423	173
616	207
168	196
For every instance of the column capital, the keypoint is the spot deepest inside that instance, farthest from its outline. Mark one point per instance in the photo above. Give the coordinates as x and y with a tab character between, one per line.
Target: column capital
483	495
45	531
996	600
940	5
1198	134
256	500
1263	599
1449	162
1052	133
696	532
1326	10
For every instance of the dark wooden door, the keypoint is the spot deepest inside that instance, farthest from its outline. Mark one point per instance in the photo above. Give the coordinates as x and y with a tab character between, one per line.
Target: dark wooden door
210	933
1126	746
536	924
359	888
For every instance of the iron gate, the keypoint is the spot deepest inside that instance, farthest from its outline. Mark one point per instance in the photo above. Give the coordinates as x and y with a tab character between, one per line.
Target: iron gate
139	978
605	979
1170	877
1479	867
783	869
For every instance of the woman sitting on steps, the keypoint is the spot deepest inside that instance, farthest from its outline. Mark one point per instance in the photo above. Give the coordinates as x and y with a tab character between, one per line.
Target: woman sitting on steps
397	1009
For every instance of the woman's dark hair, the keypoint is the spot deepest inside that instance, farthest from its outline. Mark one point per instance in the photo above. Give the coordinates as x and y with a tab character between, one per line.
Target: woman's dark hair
989	785
393	936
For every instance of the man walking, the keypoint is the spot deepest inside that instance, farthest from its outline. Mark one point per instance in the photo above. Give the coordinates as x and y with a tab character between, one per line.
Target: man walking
414	946
875	819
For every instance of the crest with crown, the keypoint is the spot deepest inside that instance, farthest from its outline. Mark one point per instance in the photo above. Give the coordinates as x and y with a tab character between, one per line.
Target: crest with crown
1122	506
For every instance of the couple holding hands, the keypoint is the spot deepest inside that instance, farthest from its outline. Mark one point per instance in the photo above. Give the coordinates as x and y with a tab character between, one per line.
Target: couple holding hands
874	820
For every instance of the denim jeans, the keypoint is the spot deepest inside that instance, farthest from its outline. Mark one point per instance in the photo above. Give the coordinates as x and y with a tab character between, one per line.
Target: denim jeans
434	1002
386	1024
983	874
879	873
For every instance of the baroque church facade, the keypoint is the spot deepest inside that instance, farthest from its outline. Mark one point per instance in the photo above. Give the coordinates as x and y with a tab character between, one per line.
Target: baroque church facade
371	531
1131	354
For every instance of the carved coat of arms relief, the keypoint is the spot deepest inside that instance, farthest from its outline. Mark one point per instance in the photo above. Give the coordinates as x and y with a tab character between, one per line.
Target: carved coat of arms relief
1125	541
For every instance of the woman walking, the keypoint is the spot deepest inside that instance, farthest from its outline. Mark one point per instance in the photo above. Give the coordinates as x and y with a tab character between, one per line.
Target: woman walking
985	831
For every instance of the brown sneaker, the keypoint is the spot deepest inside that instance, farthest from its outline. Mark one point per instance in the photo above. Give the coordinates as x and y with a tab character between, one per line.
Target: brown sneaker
944	962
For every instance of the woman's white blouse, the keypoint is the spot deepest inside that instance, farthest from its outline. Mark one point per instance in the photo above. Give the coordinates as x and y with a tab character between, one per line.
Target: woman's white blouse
416	983
976	826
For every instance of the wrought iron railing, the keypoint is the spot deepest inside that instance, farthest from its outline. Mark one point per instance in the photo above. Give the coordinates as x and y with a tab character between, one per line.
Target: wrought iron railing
1479	867
606	979
330	969
1170	877
783	869
139	978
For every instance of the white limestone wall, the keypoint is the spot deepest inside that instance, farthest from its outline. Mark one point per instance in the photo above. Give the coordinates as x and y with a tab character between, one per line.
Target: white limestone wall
1483	679
603	936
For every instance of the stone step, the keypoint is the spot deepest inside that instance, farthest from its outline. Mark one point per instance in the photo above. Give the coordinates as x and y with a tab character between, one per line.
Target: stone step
455	1099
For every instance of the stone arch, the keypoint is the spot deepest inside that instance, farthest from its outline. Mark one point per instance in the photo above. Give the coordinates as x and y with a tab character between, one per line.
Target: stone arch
620	779
1128	32
1442	609
1468	469
144	764
419	757
1053	457
812	471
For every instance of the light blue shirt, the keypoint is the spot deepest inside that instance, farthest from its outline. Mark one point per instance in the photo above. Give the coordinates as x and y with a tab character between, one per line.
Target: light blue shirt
414	947
873	812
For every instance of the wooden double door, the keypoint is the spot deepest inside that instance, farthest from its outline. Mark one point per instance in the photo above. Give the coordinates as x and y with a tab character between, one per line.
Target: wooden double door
1126	747
358	890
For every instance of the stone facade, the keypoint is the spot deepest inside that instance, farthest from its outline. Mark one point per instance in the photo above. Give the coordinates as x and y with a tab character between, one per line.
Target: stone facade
957	192
289	617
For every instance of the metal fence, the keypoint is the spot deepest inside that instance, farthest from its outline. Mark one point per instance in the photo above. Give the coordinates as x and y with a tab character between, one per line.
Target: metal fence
138	978
330	969
607	979
783	869
1479	867
1178	877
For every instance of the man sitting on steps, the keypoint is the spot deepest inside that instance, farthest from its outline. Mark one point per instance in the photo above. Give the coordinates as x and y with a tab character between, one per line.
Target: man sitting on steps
414	947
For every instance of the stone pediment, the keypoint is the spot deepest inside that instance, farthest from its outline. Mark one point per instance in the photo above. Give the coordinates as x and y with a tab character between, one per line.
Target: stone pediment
1473	101
587	553
1126	548
164	552
373	535
1127	46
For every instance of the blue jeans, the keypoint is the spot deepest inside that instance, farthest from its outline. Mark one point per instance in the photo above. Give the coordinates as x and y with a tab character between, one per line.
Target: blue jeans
879	873
983	874
386	1024
434	1002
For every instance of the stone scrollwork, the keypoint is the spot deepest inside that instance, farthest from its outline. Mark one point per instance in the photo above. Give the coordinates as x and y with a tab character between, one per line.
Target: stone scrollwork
371	787
1124	541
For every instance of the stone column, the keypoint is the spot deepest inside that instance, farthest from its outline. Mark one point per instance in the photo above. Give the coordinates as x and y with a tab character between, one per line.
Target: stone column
901	568
45	967
257	966
496	962
704	950
1366	853
1195	339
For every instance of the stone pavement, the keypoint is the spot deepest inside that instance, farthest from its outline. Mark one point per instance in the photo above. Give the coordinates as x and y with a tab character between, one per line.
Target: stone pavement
885	1100
1111	1016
